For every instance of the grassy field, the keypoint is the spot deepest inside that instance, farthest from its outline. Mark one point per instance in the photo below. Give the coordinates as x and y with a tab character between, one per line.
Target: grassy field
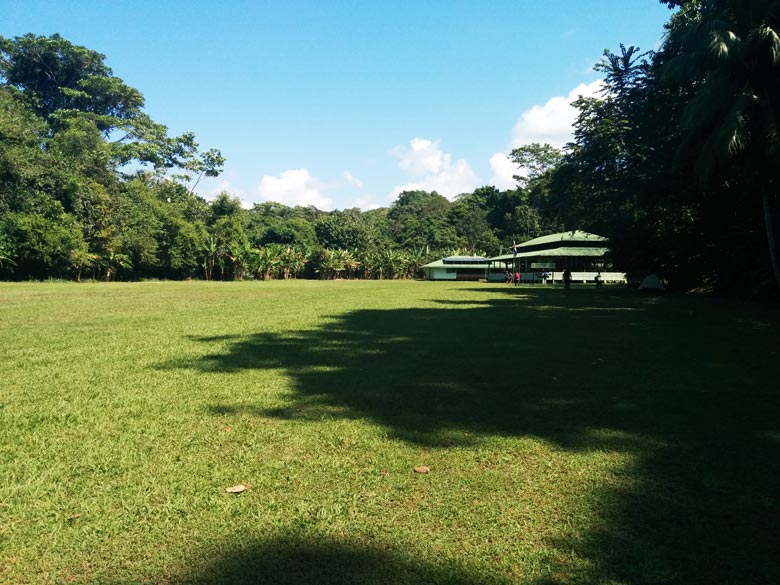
582	436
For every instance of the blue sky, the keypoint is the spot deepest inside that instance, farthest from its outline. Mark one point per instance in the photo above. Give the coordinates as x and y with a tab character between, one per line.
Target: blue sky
344	103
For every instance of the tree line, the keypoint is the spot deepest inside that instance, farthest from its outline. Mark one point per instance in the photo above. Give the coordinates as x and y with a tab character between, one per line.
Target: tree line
91	187
675	162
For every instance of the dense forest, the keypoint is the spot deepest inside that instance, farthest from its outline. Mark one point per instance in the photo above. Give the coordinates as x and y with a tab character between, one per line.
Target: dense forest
676	163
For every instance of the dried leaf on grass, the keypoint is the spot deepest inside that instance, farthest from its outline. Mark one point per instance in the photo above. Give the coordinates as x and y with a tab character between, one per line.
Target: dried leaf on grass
237	489
422	469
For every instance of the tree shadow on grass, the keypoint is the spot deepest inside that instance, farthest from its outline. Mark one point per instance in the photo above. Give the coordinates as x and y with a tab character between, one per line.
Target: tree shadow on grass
314	559
687	387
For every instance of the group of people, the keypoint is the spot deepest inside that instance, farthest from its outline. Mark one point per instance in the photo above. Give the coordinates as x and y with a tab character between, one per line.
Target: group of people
566	276
508	277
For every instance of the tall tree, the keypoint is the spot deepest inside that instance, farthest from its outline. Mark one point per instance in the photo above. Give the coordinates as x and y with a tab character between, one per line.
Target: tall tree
730	54
418	219
468	215
64	82
58	75
344	230
534	160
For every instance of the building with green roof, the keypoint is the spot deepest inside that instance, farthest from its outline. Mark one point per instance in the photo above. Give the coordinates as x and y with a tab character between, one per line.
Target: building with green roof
583	253
457	268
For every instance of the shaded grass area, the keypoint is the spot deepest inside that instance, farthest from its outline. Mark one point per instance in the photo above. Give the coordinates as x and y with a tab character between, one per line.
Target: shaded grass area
573	436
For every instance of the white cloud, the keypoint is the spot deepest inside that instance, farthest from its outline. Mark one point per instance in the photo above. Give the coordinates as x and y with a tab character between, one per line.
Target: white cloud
424	157
223	186
294	187
364	203
218	188
226	187
433	170
553	121
352	180
503	172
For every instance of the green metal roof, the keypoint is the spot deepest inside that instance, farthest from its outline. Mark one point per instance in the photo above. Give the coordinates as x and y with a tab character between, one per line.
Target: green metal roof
556	252
573	236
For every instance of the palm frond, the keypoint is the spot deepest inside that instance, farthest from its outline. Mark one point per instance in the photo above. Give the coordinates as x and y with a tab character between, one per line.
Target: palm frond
722	44
771	135
764	39
731	137
713	99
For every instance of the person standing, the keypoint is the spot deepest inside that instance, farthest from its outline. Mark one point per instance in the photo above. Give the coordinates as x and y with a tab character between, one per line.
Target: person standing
566	278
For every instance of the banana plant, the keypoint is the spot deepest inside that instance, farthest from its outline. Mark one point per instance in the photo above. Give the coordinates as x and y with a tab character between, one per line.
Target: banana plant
212	249
269	260
80	260
240	255
112	261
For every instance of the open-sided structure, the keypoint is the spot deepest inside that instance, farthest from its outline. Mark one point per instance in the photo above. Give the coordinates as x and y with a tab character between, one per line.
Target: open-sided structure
584	254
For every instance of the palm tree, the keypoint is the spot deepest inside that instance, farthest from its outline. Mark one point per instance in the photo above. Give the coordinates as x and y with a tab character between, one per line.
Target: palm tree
730	56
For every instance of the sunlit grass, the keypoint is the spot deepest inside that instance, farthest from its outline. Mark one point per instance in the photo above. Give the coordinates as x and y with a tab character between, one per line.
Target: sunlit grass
572	436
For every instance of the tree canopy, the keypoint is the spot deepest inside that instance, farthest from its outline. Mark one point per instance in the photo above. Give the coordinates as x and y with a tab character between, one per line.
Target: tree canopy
675	162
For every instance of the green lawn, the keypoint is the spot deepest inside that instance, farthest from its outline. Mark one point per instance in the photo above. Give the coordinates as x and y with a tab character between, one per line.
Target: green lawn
582	436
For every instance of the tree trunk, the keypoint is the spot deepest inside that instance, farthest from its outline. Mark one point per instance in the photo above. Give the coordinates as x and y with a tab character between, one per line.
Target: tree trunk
770	236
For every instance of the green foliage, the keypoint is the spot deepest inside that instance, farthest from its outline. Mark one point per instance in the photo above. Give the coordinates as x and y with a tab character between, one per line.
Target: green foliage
676	162
67	126
81	260
225	205
28	174
57	75
232	246
731	56
343	230
275	223
180	247
418	219
336	263
535	160
469	216
40	247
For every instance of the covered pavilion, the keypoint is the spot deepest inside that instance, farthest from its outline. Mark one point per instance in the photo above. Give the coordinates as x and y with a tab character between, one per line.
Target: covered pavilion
583	253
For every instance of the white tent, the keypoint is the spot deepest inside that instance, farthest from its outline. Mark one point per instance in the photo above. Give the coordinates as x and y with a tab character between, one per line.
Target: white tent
651	282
